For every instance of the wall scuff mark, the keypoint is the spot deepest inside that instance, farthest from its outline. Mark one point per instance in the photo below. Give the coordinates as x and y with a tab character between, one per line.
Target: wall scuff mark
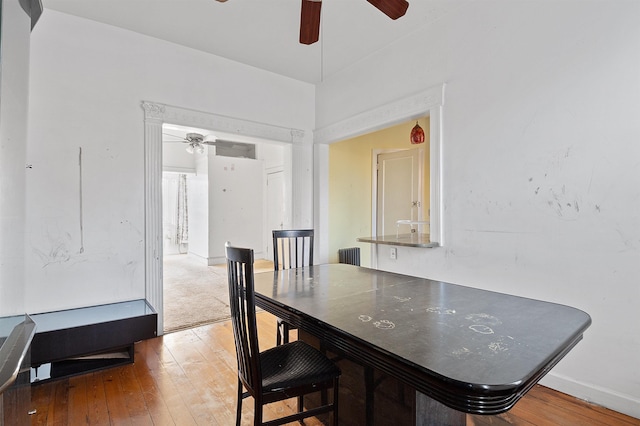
58	249
80	199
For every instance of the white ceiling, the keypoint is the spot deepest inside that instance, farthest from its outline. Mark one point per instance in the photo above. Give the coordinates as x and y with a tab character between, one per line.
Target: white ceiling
264	33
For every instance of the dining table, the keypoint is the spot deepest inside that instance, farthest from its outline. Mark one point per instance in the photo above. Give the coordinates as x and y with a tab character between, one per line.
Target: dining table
462	349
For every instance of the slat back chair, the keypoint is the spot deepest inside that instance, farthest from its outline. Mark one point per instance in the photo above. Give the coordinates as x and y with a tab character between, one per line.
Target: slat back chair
286	371
292	248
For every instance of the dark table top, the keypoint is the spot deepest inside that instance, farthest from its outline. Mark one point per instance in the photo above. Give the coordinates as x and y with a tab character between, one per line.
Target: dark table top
474	350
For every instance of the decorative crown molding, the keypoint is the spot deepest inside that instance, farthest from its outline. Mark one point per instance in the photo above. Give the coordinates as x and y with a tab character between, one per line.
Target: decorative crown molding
382	117
297	136
153	111
221	123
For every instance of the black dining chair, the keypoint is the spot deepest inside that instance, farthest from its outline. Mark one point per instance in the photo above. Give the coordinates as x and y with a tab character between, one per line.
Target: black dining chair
286	371
292	248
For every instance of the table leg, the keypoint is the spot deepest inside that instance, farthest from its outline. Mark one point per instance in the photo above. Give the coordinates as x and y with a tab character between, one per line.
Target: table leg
369	387
430	412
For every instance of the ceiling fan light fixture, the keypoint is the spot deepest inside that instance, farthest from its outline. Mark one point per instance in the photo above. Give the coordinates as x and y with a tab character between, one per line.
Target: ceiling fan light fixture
194	137
195	146
196	142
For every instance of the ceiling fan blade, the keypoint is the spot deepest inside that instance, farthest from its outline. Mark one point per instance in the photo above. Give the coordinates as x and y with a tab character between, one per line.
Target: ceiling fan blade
180	138
217	141
310	21
392	8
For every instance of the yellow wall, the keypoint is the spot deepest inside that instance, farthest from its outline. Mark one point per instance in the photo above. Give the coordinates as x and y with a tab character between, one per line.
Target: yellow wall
350	184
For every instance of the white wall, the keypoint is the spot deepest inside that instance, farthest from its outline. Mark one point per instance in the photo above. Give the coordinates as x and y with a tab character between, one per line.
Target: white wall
541	175
198	204
15	25
175	158
235	205
87	84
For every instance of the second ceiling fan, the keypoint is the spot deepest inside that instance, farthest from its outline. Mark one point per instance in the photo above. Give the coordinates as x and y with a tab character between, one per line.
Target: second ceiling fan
310	16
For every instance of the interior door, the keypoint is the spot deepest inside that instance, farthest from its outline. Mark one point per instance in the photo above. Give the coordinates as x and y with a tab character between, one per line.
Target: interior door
399	191
276	209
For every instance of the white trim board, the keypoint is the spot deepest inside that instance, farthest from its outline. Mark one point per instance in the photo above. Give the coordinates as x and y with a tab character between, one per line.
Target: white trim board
588	392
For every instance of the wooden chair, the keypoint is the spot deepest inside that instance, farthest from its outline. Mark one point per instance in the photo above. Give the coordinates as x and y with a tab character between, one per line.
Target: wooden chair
289	370
292	248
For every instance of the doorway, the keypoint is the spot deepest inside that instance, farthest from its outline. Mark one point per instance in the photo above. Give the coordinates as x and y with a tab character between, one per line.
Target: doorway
175	212
155	116
209	197
399	189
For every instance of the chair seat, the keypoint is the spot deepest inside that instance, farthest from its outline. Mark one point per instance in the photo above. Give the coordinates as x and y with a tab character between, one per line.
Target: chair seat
294	364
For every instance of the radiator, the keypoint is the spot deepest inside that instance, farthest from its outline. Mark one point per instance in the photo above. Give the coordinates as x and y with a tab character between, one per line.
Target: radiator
349	255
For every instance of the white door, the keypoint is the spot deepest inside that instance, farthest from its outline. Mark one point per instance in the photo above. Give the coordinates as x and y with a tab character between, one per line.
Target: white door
276	209
399	190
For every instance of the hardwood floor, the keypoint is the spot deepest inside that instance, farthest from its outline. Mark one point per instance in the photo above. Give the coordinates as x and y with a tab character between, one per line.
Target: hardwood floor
189	378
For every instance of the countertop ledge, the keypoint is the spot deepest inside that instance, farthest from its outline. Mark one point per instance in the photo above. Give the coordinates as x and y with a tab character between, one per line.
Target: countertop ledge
405	240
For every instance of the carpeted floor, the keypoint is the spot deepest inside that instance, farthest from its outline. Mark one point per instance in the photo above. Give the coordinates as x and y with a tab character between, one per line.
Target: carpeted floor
194	293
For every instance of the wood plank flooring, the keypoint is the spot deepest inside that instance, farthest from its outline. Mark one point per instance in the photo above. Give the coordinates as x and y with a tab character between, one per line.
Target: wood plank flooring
189	378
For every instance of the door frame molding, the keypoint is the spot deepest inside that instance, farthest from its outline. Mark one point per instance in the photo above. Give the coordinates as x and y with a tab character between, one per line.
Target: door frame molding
155	115
429	102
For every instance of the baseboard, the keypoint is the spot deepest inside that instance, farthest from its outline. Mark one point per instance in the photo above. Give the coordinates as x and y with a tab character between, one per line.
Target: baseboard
218	260
594	394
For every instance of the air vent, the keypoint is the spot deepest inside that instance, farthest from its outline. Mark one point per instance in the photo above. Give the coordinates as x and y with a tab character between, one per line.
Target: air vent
235	149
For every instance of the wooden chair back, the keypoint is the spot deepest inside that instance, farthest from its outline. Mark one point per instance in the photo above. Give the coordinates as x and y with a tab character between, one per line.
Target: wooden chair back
243	316
292	248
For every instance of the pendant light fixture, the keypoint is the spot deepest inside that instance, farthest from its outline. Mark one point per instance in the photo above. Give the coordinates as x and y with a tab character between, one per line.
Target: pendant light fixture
417	134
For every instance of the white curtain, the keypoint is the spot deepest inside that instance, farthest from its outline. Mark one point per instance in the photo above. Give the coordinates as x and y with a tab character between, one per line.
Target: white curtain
182	222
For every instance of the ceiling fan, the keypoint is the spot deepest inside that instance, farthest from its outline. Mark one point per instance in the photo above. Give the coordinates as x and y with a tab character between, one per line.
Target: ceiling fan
195	141
310	16
227	148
